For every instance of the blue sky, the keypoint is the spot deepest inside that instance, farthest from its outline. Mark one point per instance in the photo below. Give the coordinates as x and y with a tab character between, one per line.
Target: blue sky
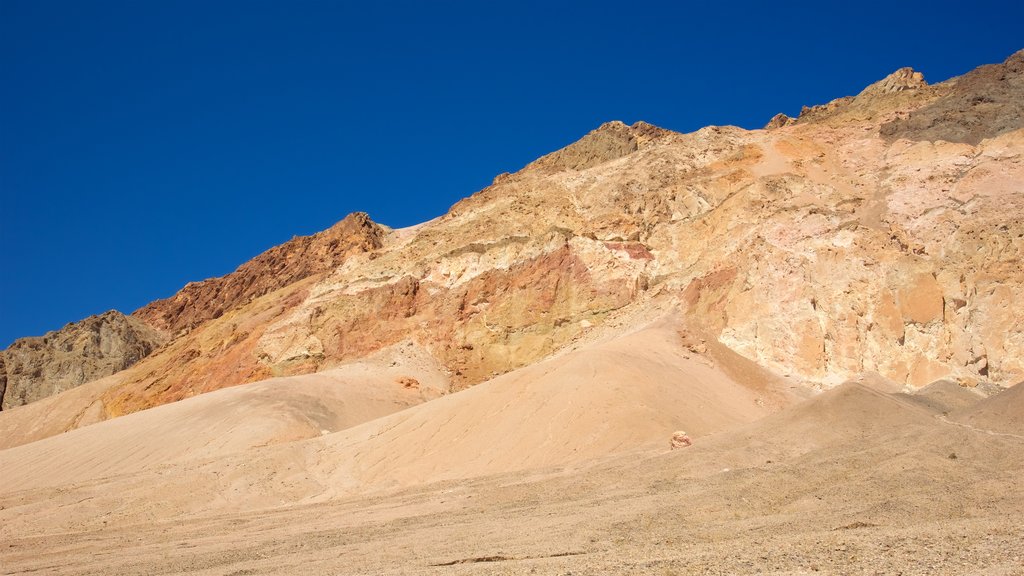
147	144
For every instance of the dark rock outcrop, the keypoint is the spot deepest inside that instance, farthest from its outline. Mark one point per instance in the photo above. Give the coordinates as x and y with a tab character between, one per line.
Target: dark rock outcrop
37	367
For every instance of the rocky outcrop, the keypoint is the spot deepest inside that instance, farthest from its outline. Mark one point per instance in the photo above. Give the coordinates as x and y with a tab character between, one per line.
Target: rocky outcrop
981	104
778	121
680	440
904	88
34	368
280	266
610	141
899	81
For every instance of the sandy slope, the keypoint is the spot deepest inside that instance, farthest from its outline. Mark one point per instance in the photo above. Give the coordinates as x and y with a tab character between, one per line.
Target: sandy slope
230	450
632	391
853	481
53	415
558	467
214	425
1003	413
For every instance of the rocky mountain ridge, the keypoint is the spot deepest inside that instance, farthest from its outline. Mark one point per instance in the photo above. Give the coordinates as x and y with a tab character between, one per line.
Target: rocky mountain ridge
34	368
877	233
299	258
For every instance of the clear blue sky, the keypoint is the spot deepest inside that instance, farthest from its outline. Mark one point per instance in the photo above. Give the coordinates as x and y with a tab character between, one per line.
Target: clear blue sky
146	144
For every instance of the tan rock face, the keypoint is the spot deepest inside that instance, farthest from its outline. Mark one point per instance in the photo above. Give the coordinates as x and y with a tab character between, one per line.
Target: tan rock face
898	81
778	121
845	241
610	141
34	368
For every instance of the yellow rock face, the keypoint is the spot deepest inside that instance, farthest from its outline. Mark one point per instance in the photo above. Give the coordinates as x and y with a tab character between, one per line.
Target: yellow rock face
921	299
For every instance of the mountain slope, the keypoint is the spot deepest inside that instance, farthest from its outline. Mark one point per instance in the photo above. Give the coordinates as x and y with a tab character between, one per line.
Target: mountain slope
821	305
821	248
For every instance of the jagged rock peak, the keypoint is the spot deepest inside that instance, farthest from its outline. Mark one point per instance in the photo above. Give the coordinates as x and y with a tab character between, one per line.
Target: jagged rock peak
40	366
778	121
612	125
903	79
609	141
875	97
355	220
638	129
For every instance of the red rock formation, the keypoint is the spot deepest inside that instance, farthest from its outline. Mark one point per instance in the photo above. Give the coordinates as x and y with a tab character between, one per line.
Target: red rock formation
299	258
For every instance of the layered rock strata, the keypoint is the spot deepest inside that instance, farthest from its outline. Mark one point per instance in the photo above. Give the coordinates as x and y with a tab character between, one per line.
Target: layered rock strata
870	234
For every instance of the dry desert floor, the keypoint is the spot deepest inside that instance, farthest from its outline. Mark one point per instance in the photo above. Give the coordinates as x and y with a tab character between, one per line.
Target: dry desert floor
563	467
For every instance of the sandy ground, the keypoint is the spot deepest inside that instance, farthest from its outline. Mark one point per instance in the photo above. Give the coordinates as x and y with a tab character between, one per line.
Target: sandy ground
560	468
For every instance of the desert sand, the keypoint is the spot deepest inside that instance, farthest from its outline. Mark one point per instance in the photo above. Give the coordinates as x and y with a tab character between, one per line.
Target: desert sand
532	472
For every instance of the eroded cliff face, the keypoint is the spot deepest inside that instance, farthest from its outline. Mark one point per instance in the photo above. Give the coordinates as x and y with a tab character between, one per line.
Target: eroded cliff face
847	240
34	368
822	248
